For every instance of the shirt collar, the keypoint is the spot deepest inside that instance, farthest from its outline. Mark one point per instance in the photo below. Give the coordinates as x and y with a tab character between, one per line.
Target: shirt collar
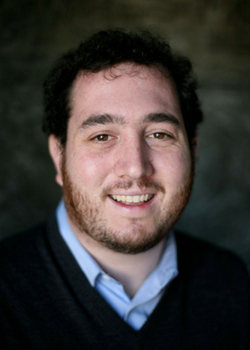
86	262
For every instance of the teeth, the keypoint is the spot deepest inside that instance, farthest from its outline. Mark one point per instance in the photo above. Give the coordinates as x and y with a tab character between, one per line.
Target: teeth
136	199
133	199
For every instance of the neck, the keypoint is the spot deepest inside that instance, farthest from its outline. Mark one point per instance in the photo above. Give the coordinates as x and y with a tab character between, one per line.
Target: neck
130	270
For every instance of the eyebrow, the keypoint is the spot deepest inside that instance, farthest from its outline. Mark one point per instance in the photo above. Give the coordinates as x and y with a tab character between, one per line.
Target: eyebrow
161	118
104	119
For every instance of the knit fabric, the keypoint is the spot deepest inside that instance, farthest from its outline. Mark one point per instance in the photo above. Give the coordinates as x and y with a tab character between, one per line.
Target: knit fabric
47	303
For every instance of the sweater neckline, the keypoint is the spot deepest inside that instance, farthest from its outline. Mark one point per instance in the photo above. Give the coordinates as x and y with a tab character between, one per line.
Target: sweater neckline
92	302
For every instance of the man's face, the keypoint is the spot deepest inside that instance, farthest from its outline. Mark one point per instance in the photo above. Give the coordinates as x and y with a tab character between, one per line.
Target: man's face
126	170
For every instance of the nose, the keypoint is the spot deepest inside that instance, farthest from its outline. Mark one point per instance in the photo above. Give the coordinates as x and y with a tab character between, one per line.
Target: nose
133	159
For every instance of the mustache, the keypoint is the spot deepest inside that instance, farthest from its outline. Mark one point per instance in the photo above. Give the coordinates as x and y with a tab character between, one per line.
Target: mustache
143	185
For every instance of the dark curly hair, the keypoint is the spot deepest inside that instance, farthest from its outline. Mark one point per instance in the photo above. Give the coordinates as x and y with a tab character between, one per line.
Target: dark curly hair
106	49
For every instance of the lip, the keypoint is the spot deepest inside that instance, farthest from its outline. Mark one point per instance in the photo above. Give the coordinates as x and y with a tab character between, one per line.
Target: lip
132	193
133	208
139	199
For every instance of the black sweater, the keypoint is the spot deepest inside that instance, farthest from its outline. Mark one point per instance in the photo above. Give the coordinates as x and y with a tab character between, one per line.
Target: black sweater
46	301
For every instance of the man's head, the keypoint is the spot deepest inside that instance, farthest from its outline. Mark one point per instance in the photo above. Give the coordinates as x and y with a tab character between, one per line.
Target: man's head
122	148
106	49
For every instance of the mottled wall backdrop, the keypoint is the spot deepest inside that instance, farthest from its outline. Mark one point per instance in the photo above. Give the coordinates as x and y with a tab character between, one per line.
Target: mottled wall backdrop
213	33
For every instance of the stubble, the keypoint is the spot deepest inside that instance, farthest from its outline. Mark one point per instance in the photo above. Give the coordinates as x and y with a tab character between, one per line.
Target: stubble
87	216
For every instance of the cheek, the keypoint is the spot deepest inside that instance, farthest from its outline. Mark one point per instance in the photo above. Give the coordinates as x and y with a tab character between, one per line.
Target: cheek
88	168
175	168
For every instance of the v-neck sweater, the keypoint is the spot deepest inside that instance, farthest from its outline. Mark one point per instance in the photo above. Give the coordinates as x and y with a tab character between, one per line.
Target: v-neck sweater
46	302
136	310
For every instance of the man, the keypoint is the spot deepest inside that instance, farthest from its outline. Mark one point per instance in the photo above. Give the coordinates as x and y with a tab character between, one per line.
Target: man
109	272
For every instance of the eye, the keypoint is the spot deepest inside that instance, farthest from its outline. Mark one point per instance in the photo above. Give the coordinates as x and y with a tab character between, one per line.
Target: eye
158	135
102	138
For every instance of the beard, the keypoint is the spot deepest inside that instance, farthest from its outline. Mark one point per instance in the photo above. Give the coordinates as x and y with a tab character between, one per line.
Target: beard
86	215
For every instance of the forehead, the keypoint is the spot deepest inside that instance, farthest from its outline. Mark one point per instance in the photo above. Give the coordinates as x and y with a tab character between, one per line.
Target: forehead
126	90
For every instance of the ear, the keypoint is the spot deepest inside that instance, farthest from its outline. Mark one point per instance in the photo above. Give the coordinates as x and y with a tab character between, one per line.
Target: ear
55	150
194	145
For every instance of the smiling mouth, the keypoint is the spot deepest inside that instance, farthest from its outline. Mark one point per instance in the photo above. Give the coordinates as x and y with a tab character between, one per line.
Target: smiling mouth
139	199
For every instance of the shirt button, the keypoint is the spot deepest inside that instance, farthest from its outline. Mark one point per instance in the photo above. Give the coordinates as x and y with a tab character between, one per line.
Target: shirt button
106	277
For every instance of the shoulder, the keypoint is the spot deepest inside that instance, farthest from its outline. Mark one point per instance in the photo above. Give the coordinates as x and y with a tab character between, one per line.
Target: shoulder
212	268
216	290
192	250
22	247
27	263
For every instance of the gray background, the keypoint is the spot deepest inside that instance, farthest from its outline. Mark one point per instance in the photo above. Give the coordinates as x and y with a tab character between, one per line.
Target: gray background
214	34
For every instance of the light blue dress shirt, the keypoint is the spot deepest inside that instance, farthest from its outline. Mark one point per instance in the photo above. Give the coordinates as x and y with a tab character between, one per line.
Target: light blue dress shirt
134	311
